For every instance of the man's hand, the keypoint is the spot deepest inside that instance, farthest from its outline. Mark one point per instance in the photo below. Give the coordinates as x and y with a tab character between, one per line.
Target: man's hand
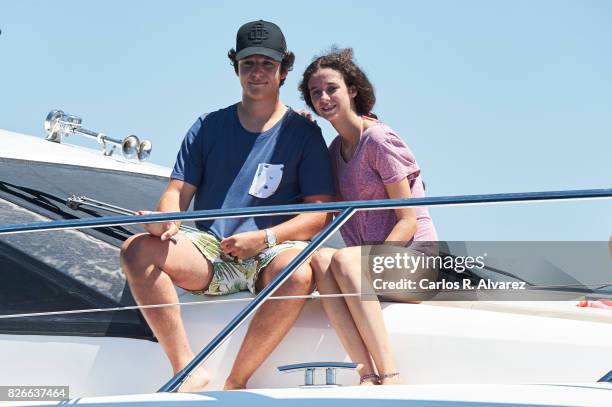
163	230
244	245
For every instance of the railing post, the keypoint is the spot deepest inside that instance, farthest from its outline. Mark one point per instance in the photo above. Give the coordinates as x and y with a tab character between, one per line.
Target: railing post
174	383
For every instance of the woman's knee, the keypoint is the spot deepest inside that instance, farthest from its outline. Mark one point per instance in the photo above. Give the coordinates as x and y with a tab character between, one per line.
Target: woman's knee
345	263
320	262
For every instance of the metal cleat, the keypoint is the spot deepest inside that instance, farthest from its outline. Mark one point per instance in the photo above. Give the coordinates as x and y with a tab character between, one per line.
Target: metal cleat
309	370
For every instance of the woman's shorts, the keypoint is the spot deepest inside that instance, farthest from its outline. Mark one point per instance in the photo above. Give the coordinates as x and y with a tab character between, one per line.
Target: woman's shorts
230	274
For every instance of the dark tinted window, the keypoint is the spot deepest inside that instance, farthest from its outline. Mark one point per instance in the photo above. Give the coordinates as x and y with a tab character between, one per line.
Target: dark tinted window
67	270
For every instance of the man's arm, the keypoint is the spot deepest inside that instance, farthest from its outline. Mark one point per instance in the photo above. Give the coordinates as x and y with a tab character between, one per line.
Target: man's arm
301	227
305	225
176	198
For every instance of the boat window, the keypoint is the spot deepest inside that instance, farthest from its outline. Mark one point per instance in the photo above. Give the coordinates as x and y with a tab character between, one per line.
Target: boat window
69	269
44	187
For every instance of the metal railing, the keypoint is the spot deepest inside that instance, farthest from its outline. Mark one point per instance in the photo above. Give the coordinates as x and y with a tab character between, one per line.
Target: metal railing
483	199
346	209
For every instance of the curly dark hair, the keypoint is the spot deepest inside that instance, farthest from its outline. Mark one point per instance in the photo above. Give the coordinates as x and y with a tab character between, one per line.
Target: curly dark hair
286	63
341	60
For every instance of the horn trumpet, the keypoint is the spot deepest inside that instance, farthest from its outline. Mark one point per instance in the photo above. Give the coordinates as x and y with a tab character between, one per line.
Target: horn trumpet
59	125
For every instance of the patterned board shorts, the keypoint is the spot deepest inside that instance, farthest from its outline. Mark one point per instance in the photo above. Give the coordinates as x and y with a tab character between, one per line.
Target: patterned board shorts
231	275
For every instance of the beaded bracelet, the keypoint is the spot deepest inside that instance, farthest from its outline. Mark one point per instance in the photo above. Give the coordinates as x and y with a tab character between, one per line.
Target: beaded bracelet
368	376
388	375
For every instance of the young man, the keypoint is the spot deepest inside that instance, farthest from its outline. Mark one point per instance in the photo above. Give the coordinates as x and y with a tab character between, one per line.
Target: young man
256	152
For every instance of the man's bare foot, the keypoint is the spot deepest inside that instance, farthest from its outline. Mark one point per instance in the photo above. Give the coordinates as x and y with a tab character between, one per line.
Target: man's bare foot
369	382
196	381
231	384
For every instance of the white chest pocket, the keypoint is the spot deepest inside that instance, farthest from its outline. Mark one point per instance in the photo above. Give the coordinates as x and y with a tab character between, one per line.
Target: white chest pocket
266	180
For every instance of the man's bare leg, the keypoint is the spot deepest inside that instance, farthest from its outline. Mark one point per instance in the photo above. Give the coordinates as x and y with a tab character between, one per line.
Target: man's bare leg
272	321
152	268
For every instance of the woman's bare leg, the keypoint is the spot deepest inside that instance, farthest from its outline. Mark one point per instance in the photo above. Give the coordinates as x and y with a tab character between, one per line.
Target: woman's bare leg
367	315
338	313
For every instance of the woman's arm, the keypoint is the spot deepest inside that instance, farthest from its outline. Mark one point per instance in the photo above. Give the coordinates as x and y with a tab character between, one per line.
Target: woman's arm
406	225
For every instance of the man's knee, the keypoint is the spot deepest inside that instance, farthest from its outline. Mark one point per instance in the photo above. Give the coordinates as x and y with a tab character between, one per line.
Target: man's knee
300	282
133	251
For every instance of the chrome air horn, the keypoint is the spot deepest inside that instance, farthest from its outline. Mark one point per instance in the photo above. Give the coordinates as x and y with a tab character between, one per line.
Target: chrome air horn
59	124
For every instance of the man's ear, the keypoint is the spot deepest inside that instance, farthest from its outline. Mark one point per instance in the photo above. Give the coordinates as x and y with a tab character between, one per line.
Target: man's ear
283	73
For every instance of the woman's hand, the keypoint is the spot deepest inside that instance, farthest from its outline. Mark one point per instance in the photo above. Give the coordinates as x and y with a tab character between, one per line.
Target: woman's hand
244	245
306	114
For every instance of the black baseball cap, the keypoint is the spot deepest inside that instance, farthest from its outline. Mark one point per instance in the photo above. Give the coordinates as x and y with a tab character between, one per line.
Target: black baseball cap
261	38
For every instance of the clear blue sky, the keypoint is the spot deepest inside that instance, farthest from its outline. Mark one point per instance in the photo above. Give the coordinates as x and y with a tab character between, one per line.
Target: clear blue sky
492	96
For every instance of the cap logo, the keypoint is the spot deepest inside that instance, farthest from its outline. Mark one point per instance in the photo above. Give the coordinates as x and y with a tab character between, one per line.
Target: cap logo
257	34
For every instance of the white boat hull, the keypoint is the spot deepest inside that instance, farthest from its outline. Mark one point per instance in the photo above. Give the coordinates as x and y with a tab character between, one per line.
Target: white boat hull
433	345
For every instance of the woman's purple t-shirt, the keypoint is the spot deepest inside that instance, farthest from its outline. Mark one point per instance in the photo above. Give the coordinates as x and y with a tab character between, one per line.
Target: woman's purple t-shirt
381	158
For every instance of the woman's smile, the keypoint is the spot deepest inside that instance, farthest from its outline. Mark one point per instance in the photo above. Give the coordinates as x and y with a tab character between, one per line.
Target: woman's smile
328	92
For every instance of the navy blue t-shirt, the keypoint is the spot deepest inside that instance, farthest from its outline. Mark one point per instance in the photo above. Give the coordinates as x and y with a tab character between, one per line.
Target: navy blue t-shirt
235	168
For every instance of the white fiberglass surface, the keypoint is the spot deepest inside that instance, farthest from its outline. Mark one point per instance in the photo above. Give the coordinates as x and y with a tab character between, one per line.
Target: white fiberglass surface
26	147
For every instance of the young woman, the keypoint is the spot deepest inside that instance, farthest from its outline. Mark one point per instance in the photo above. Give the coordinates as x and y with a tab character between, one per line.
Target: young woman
369	161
